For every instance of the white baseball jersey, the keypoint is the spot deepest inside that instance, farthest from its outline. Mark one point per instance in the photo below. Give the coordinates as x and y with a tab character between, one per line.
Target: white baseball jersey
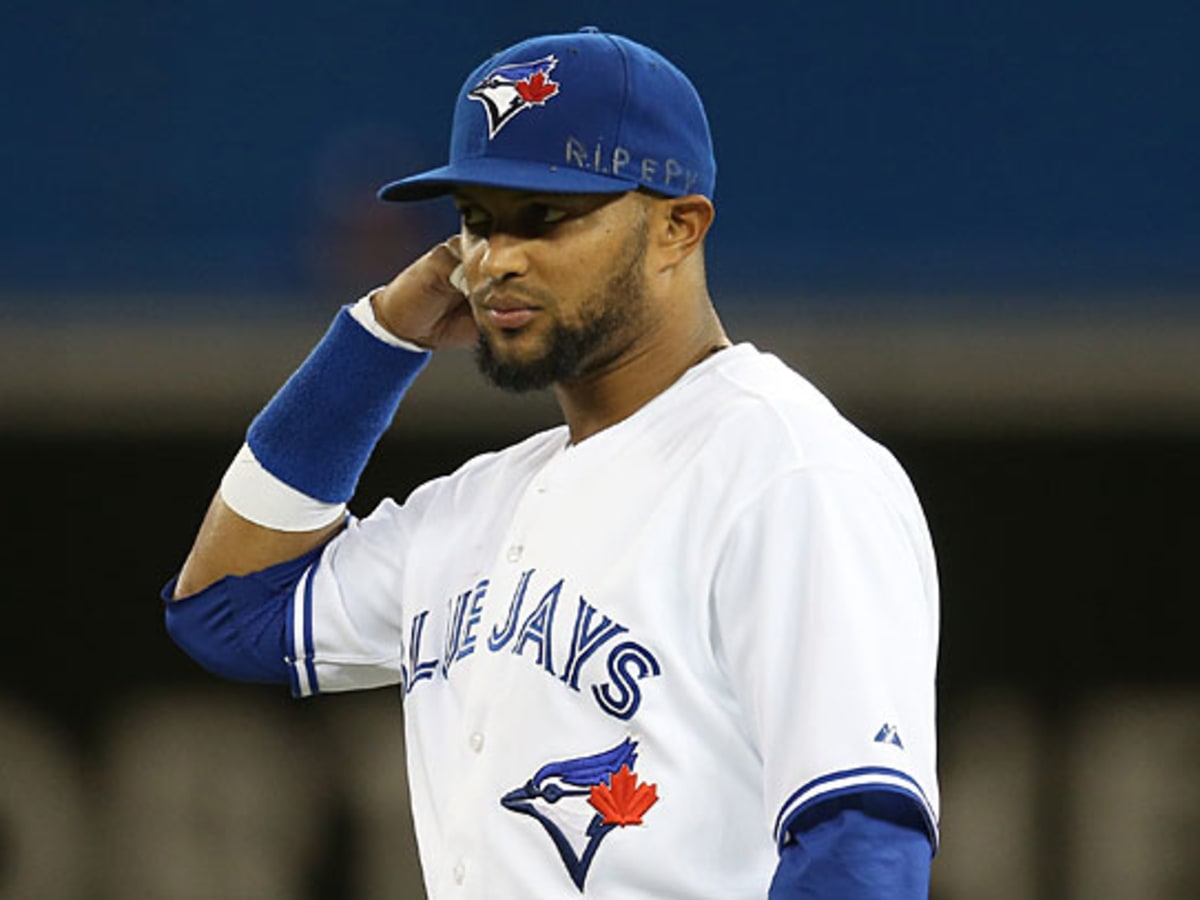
627	662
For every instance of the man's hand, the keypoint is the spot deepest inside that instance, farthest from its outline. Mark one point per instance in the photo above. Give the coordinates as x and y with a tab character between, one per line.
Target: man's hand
422	306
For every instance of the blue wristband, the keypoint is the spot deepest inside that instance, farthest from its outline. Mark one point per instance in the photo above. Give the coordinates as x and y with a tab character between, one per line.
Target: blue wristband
318	432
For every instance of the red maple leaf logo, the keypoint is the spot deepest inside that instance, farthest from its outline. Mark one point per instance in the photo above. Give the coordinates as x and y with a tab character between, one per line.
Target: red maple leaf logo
536	88
626	801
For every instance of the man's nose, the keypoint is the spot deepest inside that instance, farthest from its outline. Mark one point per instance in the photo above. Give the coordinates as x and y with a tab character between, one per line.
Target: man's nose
504	256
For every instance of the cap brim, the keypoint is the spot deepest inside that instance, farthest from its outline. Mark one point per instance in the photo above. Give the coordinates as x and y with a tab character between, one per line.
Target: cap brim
514	174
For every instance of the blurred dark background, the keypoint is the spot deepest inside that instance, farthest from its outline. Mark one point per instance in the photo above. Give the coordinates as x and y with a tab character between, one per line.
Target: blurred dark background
977	228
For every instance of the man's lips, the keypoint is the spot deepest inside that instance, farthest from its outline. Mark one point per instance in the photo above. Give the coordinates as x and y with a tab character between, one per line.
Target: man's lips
507	313
509	318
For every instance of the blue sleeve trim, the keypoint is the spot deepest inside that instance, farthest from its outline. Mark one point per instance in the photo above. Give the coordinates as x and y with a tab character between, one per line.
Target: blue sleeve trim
854	781
302	670
309	652
319	430
860	847
236	627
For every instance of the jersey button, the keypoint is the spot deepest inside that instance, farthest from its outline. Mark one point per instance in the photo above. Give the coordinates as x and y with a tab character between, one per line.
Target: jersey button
460	872
514	552
476	742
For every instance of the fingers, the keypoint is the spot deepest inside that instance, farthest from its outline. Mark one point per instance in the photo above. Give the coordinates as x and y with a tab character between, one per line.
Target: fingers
457	277
459	280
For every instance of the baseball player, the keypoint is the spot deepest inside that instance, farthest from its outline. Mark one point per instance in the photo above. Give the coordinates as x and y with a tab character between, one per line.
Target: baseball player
682	645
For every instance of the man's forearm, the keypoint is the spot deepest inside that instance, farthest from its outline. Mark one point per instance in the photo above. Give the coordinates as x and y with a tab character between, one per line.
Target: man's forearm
286	491
228	544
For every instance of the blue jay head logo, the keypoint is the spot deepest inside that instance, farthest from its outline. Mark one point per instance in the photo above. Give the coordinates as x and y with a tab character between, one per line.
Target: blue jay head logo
508	90
579	801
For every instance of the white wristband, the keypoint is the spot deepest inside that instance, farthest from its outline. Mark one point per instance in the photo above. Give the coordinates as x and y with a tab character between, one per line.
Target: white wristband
258	496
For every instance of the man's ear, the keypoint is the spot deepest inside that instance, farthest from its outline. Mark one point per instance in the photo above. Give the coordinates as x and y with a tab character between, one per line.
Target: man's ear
681	224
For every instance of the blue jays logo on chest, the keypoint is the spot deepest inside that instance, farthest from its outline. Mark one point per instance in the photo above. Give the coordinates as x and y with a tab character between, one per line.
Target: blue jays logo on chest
516	87
580	801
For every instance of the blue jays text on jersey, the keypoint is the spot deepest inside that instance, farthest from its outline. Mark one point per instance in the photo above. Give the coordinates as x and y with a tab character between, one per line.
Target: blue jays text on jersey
528	631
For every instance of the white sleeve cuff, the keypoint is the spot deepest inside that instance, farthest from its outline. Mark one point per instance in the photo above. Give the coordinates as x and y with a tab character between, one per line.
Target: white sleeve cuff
364	313
258	496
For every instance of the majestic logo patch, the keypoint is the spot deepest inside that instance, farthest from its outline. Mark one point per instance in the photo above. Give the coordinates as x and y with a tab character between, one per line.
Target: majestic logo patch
889	734
579	801
507	90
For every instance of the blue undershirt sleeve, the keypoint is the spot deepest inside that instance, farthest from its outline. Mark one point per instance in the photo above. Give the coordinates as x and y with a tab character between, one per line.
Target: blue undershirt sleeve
871	845
236	627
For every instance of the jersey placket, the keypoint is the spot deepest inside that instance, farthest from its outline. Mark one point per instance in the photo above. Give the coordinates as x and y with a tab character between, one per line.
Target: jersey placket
518	546
528	516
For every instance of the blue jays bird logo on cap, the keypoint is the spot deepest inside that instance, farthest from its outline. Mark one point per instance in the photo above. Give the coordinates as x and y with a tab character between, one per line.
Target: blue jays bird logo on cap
510	89
579	801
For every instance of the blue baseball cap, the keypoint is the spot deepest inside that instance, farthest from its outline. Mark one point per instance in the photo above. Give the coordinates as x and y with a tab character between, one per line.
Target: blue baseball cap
585	112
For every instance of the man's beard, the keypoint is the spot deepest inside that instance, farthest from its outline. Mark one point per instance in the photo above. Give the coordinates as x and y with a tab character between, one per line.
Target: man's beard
608	318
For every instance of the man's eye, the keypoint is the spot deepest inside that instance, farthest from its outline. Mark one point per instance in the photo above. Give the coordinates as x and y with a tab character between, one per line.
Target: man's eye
551	215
